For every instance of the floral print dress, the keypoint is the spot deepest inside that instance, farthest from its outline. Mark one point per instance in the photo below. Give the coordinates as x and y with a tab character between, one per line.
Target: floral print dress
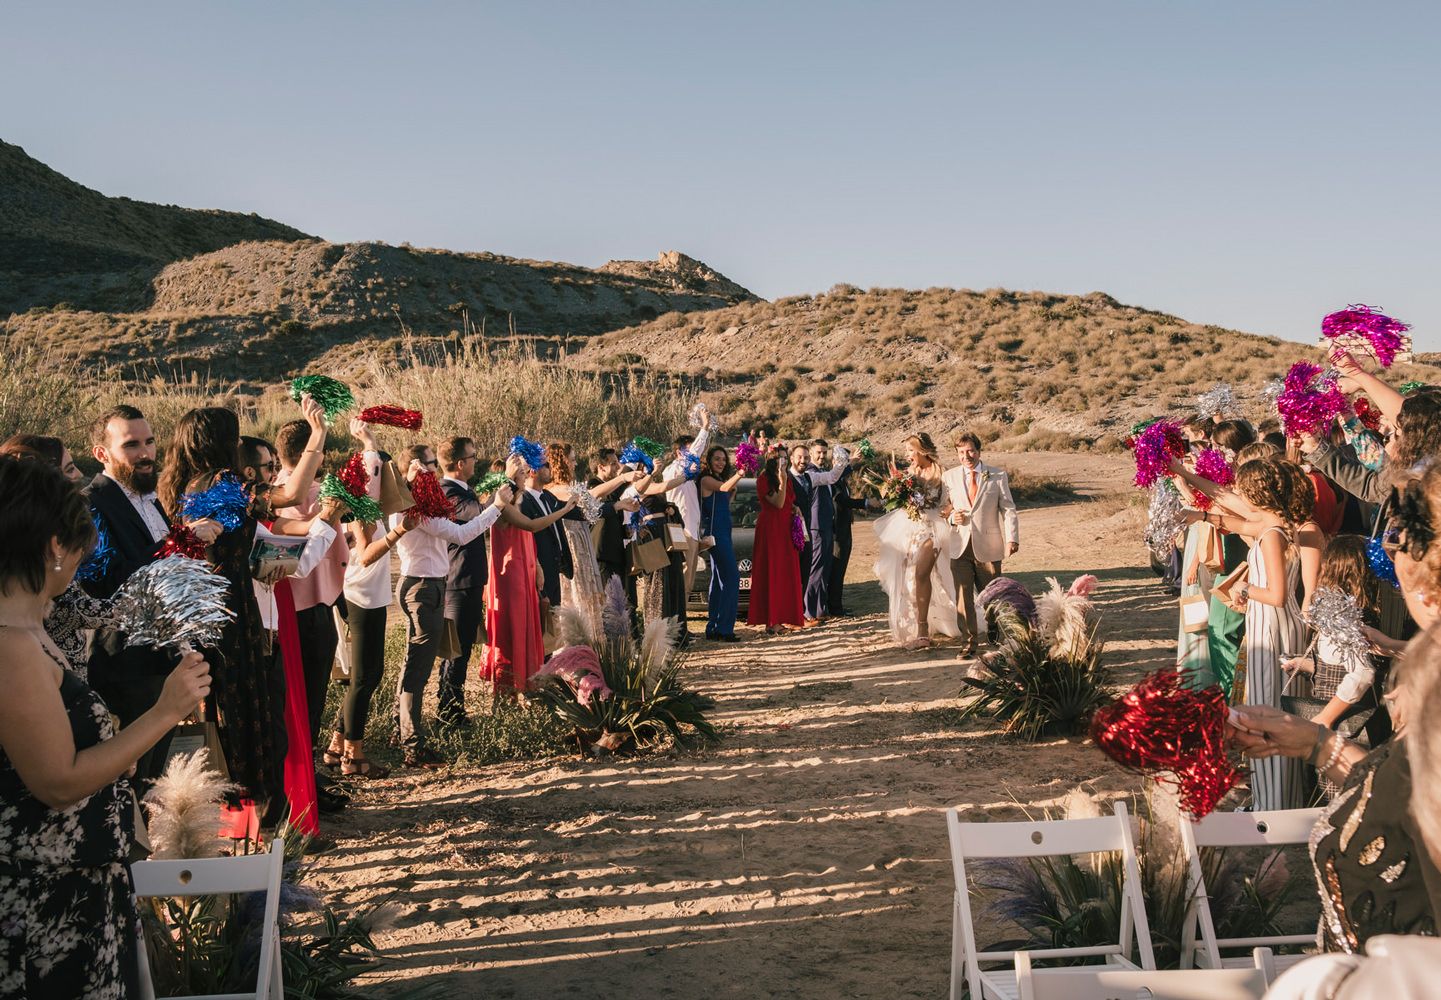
68	922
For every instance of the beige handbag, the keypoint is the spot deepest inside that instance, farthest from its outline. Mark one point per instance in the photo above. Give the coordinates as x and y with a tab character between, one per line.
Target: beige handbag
1195	612
647	556
1225	589
675	538
395	495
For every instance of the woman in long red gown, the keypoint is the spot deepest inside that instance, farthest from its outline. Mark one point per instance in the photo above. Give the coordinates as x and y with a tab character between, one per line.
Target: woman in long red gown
515	648
776	593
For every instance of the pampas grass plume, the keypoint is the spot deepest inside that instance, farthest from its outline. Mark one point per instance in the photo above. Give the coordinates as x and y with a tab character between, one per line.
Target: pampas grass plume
573	628
183	808
658	642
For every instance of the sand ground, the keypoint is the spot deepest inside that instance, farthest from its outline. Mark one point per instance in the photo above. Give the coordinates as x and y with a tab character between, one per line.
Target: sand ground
804	856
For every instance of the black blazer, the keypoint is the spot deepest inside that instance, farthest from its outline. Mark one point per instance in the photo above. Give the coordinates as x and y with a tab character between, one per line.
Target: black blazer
134	548
846	505
552	548
610	549
469	567
128	535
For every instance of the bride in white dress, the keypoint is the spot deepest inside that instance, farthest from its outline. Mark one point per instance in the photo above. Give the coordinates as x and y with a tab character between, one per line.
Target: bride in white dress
919	585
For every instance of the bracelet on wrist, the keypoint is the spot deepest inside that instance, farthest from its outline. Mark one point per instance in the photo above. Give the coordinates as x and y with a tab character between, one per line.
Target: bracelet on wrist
1319	746
1338	745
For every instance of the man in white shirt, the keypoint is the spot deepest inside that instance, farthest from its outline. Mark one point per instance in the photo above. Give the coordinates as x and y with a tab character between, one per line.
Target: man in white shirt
424	549
686	496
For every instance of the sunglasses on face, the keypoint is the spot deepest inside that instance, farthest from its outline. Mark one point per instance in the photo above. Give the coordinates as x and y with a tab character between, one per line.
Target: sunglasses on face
433	463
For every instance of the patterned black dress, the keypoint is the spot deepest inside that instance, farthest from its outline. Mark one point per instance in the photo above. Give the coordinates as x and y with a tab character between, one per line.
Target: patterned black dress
247	685
68	921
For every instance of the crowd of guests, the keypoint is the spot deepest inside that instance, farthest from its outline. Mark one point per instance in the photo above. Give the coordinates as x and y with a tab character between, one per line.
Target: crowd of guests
1354	508
89	719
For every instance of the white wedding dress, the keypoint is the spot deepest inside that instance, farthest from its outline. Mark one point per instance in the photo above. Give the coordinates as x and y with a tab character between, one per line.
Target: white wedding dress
901	538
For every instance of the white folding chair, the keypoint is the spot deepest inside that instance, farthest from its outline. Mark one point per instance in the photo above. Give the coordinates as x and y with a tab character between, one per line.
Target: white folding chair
1275	829
1048	838
221	876
1090	983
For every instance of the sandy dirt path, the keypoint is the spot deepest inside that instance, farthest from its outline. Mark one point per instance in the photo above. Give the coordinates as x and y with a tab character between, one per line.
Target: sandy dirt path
804	856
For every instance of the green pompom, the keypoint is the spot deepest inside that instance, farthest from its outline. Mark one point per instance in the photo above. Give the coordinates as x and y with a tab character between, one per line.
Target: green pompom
1136	429
333	395
866	449
653	449
364	508
1406	388
492	482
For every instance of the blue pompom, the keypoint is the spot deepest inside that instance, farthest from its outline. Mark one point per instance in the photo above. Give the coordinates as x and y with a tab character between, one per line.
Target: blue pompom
532	452
631	455
1381	563
226	502
690	465
97	563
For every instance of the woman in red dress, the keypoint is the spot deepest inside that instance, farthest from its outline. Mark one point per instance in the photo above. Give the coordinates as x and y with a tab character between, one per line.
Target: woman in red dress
514	647
776	594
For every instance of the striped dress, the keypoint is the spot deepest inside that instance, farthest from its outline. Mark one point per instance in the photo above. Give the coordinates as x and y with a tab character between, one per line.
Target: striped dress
1272	634
1193	654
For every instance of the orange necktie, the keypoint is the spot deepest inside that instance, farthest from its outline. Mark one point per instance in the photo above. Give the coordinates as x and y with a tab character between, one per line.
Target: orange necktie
971	485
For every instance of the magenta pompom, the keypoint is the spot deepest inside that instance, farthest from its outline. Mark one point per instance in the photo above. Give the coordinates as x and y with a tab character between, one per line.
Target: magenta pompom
1364	326
1212	465
1309	400
748	457
1155	447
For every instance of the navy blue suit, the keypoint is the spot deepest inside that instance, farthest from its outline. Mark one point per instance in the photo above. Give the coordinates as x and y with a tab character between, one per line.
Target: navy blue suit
846	506
820	516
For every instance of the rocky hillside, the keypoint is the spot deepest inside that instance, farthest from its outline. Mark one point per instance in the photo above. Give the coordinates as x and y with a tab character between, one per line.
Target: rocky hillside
1026	369
127	285
62	242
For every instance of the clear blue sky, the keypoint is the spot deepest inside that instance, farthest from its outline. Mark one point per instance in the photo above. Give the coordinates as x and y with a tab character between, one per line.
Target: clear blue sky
1251	164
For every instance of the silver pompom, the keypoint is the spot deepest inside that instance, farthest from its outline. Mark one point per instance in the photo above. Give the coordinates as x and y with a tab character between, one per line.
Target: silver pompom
840	455
174	602
1272	390
1164	520
697	415
1217	402
585	502
1337	618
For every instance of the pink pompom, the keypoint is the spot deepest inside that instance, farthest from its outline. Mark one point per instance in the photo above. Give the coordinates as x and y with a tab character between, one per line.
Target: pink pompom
1083	586
1212	465
1386	337
1309	400
1155	447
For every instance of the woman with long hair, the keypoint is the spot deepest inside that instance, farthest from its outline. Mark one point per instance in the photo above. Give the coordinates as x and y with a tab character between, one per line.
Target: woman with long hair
248	696
918	584
717	485
776	595
585	589
1267	509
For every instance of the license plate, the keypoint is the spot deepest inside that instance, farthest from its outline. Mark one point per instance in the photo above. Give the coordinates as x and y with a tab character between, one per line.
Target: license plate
745	583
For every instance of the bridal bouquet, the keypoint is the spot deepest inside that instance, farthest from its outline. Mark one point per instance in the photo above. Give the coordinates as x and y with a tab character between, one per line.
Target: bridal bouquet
905	490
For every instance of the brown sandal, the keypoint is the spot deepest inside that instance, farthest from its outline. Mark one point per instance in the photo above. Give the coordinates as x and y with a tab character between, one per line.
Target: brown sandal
362	767
331	758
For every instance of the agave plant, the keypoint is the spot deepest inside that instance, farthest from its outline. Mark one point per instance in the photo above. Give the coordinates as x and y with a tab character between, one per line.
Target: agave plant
1034	686
1066	902
618	693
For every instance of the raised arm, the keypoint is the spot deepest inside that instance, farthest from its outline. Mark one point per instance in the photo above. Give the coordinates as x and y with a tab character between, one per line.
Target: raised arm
608	487
297	486
513	516
710	484
1387	399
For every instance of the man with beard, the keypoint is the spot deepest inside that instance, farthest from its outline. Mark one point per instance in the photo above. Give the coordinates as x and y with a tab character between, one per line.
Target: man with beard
122	500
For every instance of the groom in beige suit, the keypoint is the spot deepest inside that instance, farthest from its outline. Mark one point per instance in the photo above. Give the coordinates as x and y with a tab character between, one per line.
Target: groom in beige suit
984	527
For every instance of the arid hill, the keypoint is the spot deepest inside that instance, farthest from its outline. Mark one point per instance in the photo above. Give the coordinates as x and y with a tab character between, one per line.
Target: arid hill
123	283
1028	369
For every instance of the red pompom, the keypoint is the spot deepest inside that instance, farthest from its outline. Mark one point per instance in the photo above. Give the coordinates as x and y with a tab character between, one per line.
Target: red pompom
355	476
430	499
1369	416
1163	729
392	416
181	542
1200	501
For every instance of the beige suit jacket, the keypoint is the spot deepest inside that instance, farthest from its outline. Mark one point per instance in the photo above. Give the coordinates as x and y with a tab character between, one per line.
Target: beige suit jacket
991	519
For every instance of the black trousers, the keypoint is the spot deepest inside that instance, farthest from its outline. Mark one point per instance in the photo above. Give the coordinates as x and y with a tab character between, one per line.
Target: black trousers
673	603
836	593
367	667
318	640
467	609
130	694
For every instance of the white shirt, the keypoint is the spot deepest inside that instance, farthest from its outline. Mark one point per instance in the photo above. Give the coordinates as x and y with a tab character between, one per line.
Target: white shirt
144	505
321	535
685	496
423	549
